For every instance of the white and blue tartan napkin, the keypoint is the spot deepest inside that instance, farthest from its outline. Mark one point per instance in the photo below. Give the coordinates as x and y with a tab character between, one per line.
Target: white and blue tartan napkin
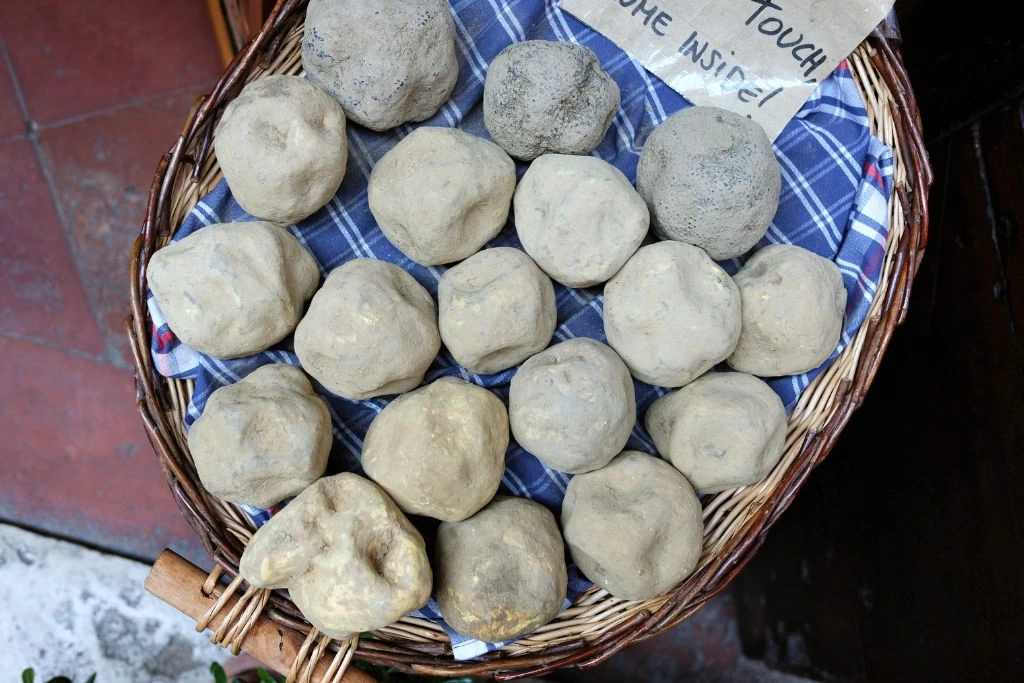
836	181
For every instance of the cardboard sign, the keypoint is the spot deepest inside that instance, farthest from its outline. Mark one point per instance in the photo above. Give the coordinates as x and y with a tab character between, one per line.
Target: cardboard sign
759	58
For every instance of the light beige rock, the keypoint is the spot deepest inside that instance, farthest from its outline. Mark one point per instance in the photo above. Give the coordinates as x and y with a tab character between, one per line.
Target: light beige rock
579	218
371	330
439	451
496	309
572	405
793	306
723	430
349	558
635	527
548	96
501	573
281	145
440	194
671	313
711	179
262	439
233	289
388	62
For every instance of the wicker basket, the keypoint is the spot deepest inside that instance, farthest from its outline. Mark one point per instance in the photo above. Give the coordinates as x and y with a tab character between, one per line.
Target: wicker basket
597	625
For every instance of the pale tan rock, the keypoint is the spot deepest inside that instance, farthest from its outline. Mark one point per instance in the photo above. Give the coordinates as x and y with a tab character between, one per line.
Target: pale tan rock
233	289
349	558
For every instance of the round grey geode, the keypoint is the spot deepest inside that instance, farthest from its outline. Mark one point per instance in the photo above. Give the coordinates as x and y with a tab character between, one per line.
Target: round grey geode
579	218
496	309
371	330
723	430
439	451
262	439
572	405
634	527
548	96
671	313
233	289
440	194
501	573
281	145
388	62
711	179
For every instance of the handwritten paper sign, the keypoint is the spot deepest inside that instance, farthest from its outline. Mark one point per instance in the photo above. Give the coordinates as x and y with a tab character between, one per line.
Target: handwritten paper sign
760	58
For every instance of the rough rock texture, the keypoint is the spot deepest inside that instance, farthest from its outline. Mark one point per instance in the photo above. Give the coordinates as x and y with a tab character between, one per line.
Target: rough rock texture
548	96
579	218
262	439
573	405
723	430
281	145
496	309
793	306
671	313
439	451
371	330
711	179
501	573
635	527
349	558
388	62
233	289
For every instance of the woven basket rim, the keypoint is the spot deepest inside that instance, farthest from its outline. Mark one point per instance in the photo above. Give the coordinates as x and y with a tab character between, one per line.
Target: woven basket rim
599	625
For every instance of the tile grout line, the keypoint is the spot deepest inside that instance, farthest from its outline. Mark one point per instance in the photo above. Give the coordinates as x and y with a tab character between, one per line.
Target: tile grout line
70	351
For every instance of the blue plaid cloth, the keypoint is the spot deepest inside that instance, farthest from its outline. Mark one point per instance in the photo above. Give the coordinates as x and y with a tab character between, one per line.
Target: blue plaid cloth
836	181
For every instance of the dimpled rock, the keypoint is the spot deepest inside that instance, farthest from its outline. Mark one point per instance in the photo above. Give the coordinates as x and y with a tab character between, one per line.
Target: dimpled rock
793	304
572	405
579	218
388	61
547	96
233	289
711	179
635	527
501	573
441	194
262	439
671	313
723	430
439	451
349	558
281	145
496	309
371	330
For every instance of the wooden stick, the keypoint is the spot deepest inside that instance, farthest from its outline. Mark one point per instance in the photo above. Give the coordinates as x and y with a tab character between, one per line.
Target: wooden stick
220	31
179	583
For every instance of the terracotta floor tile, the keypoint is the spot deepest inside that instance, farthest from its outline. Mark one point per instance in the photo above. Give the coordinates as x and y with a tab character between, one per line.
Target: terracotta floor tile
102	168
74	57
11	122
41	293
76	461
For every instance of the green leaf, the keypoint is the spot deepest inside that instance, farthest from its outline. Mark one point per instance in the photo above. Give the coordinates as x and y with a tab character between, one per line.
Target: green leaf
91	679
266	677
28	676
219	676
60	679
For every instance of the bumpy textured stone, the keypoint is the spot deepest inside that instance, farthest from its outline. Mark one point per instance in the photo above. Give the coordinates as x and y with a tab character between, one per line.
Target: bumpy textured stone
439	451
635	527
573	405
548	96
371	330
711	179
281	145
496	309
671	314
349	558
262	439
441	194
501	573
388	62
233	289
793	305
579	218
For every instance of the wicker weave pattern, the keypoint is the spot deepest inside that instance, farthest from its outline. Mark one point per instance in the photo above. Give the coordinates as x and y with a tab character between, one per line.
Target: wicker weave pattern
597	625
